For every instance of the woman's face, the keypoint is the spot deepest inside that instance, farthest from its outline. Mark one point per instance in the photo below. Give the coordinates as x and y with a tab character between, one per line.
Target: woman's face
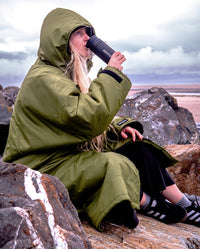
79	39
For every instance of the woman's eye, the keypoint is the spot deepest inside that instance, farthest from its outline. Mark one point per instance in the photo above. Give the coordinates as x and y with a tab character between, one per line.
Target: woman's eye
80	32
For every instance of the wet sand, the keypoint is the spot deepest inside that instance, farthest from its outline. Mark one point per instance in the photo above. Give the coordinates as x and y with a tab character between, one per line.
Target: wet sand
191	103
180	92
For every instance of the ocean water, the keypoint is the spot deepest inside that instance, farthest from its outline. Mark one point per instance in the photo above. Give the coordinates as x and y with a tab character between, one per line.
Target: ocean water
185	94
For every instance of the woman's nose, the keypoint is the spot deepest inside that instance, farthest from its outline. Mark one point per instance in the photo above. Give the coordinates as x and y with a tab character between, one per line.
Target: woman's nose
86	37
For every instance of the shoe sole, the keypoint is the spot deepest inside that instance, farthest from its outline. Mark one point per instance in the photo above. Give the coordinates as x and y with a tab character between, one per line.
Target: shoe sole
156	215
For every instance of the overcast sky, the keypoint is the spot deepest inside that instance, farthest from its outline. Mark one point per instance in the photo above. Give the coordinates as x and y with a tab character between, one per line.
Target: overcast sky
160	38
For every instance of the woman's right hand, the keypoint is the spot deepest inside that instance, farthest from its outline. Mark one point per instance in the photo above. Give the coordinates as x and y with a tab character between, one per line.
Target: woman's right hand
116	60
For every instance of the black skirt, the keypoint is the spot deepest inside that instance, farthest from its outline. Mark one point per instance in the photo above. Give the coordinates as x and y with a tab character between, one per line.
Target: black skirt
153	176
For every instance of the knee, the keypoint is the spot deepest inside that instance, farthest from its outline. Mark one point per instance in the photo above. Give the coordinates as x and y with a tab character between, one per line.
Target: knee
121	163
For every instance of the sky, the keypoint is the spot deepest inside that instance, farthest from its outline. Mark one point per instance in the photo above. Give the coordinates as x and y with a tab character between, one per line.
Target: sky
160	38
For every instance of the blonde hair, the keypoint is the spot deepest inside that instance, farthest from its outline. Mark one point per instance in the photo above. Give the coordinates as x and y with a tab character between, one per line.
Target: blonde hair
77	69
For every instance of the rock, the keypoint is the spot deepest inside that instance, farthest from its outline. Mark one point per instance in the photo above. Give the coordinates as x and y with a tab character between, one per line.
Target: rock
8	95
188	126
164	122
36	211
186	172
7	100
150	233
5	115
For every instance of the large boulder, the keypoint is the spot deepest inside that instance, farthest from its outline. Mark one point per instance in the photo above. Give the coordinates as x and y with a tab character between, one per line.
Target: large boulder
36	211
164	121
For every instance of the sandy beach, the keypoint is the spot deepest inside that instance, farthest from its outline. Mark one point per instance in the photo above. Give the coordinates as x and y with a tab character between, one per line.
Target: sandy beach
188	96
192	103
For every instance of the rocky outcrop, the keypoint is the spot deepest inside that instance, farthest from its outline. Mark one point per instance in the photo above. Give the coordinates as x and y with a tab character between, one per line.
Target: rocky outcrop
150	233
8	95
164	121
186	172
36	211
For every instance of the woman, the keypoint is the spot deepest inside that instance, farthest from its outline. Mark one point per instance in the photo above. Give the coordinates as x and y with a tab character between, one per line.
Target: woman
61	126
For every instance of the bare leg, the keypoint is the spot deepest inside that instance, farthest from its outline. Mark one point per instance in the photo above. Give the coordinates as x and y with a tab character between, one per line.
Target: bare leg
143	199
172	193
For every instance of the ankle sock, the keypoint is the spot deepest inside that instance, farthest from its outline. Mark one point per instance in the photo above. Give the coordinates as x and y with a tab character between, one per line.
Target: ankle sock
184	202
147	201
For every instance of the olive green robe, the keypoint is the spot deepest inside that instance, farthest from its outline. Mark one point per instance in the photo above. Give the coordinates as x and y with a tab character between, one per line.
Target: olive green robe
51	117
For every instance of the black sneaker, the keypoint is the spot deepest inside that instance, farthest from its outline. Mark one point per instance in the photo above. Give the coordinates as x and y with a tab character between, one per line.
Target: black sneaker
164	211
193	214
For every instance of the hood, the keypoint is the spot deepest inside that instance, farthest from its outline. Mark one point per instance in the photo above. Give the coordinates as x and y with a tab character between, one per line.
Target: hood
55	33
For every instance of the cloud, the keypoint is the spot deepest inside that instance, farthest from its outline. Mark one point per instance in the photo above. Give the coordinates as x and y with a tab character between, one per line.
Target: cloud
147	65
169	26
12	55
167	79
157	37
146	60
14	66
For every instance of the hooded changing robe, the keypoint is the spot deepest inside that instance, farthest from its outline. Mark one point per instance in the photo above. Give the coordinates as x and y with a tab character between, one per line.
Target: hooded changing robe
51	117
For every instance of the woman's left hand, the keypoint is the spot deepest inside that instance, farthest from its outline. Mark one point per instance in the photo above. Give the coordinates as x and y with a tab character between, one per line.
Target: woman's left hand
133	132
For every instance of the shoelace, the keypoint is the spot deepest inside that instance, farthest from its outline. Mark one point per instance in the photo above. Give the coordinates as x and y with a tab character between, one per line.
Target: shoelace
194	199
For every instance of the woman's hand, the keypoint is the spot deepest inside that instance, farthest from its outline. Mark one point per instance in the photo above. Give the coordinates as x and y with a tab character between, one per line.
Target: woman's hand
128	130
116	60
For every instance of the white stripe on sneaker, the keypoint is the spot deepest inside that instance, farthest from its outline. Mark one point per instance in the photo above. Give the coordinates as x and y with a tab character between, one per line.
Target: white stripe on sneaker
194	216
157	214
198	220
191	212
150	212
162	216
